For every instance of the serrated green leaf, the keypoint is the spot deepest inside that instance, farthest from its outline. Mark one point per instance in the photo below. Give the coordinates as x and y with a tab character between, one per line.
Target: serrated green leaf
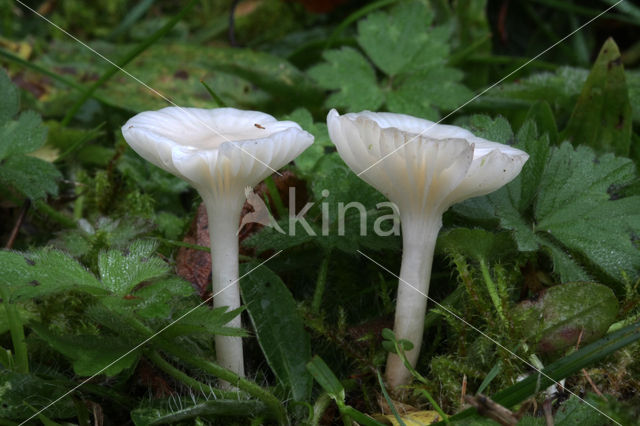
308	159
154	300
565	313
92	354
354	80
22	136
205	321
561	203
392	40
121	272
541	114
31	176
602	116
9	99
423	93
46	271
279	328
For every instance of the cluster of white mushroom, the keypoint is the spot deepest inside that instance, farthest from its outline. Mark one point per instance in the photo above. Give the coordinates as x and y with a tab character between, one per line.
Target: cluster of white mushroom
421	166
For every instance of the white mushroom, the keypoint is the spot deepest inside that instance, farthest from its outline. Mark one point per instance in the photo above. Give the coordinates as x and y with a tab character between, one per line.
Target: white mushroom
219	152
423	168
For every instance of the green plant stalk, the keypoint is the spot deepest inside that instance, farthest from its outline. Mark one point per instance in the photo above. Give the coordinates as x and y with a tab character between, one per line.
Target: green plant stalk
21	357
275	196
321	284
184	378
62	219
492	290
251	388
273	403
124	61
319	408
421	379
214	95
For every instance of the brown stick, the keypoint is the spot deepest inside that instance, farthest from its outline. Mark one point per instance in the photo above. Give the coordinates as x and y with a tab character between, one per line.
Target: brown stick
491	409
18	224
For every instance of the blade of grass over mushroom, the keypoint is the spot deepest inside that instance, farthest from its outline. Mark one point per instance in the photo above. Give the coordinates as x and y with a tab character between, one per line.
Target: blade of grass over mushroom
125	60
562	368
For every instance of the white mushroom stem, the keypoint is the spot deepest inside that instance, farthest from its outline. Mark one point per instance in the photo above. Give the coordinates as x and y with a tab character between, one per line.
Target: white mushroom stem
223	225
419	239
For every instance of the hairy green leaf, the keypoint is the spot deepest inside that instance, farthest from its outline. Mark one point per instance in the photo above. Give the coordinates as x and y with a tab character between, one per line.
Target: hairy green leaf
404	36
410	52
93	354
352	78
30	176
44	272
279	329
121	272
564	202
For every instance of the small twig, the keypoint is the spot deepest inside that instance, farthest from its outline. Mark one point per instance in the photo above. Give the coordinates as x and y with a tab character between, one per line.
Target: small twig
593	385
18	224
584	370
463	393
491	409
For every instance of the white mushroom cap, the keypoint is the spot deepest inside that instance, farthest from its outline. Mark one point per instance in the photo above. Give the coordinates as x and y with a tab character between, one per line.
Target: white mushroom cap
217	150
420	165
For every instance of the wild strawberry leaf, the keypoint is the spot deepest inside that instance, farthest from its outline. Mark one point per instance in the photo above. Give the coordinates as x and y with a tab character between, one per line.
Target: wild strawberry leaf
351	77
308	159
565	203
121	271
33	177
410	52
92	354
42	272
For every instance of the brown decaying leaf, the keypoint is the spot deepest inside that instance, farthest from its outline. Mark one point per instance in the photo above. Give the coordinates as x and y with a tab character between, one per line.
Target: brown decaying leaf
195	265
